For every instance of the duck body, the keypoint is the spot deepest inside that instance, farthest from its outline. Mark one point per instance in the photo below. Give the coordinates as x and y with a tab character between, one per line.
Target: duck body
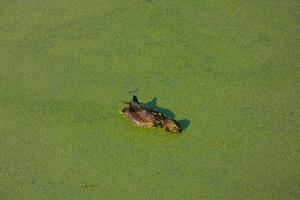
141	118
144	117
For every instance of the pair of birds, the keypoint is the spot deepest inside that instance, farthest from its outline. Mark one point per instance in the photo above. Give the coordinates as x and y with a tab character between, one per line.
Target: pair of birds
144	117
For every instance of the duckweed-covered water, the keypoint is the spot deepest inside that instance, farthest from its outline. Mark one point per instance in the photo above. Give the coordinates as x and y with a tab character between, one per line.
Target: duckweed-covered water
229	70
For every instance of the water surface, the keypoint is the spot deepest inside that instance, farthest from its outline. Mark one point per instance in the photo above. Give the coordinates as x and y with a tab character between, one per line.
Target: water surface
230	68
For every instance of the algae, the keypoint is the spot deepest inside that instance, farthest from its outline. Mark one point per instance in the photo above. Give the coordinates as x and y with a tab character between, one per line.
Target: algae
231	68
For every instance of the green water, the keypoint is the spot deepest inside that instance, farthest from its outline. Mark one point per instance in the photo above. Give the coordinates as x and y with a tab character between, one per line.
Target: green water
230	68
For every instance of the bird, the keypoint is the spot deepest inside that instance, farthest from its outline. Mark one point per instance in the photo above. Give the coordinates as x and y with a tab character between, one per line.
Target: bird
145	117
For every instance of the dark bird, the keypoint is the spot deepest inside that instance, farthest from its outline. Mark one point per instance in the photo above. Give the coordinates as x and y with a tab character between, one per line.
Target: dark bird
145	117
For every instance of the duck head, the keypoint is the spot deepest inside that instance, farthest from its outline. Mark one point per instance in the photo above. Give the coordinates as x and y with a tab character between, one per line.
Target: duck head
172	126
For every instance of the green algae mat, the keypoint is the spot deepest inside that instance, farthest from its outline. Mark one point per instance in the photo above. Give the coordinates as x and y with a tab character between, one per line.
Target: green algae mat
227	70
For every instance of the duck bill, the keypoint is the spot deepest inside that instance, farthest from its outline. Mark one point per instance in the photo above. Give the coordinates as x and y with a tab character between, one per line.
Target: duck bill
177	131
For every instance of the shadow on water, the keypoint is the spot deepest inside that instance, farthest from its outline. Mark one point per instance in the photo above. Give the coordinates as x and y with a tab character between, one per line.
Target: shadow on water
184	123
153	104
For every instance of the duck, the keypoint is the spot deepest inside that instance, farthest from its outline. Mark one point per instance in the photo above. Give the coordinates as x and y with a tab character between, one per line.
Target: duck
144	117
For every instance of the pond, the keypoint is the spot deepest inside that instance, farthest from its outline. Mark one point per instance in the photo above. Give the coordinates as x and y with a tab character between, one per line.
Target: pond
228	71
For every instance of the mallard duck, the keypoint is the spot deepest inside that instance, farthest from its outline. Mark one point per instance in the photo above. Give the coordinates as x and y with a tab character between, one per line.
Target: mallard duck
145	117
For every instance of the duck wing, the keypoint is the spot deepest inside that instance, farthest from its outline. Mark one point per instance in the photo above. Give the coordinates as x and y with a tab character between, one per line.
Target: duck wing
134	104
